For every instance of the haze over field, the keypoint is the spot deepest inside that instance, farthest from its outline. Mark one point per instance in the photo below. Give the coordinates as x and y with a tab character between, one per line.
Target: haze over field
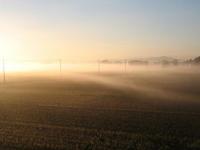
99	75
110	109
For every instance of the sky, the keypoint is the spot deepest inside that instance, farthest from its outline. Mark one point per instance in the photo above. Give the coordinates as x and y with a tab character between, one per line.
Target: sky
99	29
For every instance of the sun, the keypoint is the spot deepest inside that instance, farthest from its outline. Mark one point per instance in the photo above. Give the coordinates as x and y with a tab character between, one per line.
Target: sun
2	46
6	46
9	46
9	51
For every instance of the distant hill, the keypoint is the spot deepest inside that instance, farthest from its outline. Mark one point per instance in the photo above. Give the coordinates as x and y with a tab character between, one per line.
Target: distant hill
163	60
138	62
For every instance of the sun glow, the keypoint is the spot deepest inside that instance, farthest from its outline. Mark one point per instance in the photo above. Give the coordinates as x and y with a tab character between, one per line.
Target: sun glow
9	46
23	67
5	46
13	67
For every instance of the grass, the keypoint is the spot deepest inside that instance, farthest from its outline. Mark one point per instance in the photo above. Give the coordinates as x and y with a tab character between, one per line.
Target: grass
139	110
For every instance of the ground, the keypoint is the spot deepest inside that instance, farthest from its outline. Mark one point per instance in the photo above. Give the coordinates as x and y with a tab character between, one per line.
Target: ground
139	110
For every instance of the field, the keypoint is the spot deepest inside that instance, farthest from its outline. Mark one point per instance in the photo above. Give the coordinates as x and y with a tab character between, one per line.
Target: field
143	109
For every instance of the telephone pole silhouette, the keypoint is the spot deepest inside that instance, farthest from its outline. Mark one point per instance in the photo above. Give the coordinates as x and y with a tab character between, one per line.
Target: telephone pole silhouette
125	65
60	65
4	70
99	66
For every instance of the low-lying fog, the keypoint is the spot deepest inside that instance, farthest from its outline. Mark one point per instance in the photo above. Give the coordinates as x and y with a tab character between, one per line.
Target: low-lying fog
89	67
150	83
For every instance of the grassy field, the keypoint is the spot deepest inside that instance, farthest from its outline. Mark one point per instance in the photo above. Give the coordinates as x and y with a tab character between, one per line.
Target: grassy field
139	110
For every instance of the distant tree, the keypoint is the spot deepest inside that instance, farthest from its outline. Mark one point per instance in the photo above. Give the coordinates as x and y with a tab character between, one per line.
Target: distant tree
197	60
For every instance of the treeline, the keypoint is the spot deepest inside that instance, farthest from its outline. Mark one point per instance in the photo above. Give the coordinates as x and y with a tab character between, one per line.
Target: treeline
153	61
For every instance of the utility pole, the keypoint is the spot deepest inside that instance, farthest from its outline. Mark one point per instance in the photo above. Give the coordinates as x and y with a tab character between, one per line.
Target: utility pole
99	66
60	65
125	65
4	70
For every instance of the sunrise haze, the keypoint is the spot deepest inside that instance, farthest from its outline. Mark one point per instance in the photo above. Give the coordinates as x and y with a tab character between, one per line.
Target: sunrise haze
91	29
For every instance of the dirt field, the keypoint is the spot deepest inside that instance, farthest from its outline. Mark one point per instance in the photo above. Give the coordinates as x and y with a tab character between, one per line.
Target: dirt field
139	110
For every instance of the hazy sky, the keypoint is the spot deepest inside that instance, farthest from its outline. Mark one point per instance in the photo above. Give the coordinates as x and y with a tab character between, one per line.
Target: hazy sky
97	29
